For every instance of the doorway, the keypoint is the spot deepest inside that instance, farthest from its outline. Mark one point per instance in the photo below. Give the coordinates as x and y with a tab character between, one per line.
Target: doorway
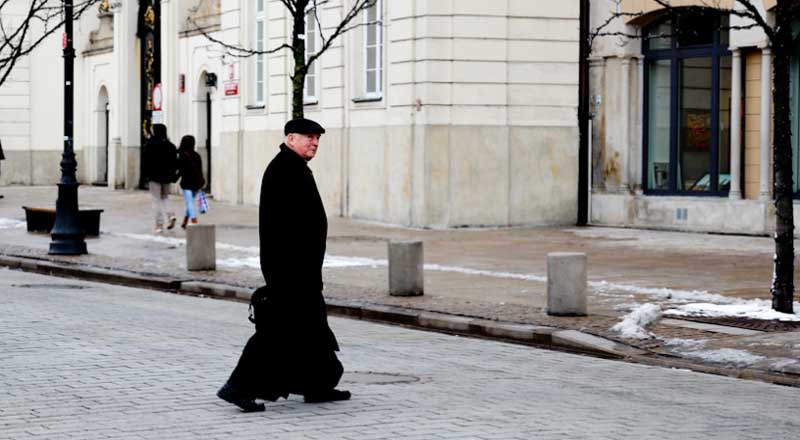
206	83
101	146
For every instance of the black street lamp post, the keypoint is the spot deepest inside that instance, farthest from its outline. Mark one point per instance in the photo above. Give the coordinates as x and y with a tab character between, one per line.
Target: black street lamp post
67	234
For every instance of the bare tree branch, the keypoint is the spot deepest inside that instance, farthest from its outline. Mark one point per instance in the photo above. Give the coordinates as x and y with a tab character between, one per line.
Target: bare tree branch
236	50
13	42
358	7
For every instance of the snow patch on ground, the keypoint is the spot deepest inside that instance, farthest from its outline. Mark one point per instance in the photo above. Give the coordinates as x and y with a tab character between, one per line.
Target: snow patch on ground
754	309
331	261
10	223
781	365
662	293
486	273
633	324
730	356
689	344
238	263
177	242
233	247
336	261
695	349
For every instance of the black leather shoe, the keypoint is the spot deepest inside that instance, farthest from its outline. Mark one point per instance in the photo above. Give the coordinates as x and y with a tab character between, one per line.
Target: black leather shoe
327	396
247	404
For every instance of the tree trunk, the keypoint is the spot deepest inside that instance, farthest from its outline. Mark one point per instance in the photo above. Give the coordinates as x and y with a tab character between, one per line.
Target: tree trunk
299	54
783	276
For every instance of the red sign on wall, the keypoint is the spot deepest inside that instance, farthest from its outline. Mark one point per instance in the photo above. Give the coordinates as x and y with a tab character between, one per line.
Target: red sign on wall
231	88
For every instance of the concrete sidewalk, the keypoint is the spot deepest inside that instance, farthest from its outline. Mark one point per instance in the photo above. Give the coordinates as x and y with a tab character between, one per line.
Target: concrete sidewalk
487	282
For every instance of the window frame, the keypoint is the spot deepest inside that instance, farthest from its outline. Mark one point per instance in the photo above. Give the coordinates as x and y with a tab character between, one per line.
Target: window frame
313	71
715	51
259	81
378	46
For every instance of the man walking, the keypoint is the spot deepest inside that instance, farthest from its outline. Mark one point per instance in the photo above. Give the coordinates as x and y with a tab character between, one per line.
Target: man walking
161	169
293	349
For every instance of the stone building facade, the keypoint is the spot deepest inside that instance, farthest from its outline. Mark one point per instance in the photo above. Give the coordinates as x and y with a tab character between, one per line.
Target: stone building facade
681	121
449	113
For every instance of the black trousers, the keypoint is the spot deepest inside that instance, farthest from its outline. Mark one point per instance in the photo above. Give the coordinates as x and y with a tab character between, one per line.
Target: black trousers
269	369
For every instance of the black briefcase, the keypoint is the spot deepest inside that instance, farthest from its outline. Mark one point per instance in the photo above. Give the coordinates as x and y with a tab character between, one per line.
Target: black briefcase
262	305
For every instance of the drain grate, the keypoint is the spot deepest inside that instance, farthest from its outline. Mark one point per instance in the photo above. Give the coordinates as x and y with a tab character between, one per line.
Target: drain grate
49	286
763	325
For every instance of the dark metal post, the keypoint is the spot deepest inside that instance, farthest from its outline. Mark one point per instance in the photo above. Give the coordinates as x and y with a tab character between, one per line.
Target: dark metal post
211	81
67	234
583	116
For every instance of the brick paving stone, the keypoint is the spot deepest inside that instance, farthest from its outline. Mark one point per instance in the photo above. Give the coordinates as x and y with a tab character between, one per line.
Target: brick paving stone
108	362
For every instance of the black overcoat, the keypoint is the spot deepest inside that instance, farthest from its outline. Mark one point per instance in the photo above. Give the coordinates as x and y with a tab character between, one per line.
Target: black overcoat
160	161
293	228
293	349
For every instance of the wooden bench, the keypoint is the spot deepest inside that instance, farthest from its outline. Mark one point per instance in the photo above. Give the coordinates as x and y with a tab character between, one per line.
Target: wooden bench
43	219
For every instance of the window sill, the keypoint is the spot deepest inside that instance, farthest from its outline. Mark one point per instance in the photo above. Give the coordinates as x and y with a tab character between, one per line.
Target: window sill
315	102
255	107
361	99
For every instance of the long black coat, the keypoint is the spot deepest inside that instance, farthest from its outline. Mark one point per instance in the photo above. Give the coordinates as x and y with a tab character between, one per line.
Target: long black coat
160	161
293	228
293	349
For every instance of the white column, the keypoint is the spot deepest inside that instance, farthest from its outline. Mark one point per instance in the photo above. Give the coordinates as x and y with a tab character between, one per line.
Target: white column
624	116
766	82
637	166
736	122
117	103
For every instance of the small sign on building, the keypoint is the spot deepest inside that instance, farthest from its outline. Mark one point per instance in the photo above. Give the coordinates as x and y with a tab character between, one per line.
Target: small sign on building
231	88
157	97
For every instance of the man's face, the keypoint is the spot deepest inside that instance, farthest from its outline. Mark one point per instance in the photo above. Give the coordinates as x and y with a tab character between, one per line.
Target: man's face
303	144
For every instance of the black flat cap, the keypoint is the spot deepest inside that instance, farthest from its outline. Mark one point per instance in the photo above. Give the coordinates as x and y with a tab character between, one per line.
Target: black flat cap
302	126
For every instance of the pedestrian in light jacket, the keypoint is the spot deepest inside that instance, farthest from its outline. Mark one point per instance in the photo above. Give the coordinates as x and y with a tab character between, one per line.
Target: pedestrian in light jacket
161	170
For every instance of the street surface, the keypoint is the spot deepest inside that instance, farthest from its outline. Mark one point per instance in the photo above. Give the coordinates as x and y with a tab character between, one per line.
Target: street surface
92	361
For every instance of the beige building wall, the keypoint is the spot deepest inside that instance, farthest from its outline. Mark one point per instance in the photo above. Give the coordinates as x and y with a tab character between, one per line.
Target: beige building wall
476	124
31	146
752	124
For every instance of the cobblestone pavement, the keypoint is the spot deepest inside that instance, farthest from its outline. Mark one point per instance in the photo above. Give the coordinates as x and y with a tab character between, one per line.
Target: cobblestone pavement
495	274
92	361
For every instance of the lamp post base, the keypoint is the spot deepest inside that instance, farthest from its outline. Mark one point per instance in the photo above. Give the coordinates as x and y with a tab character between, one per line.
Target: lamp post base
67	234
67	247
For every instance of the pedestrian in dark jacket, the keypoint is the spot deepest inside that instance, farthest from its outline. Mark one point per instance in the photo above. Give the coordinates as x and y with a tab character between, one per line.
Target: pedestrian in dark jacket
190	170
161	170
293	348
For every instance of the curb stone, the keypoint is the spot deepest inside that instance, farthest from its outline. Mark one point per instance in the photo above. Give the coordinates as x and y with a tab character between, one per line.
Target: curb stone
216	290
540	336
90	273
520	333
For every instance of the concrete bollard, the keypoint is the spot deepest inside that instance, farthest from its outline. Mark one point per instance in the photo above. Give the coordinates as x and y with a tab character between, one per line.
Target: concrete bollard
201	247
406	268
566	284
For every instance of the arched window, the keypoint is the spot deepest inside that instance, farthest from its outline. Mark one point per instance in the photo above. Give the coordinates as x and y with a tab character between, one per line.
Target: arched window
687	104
